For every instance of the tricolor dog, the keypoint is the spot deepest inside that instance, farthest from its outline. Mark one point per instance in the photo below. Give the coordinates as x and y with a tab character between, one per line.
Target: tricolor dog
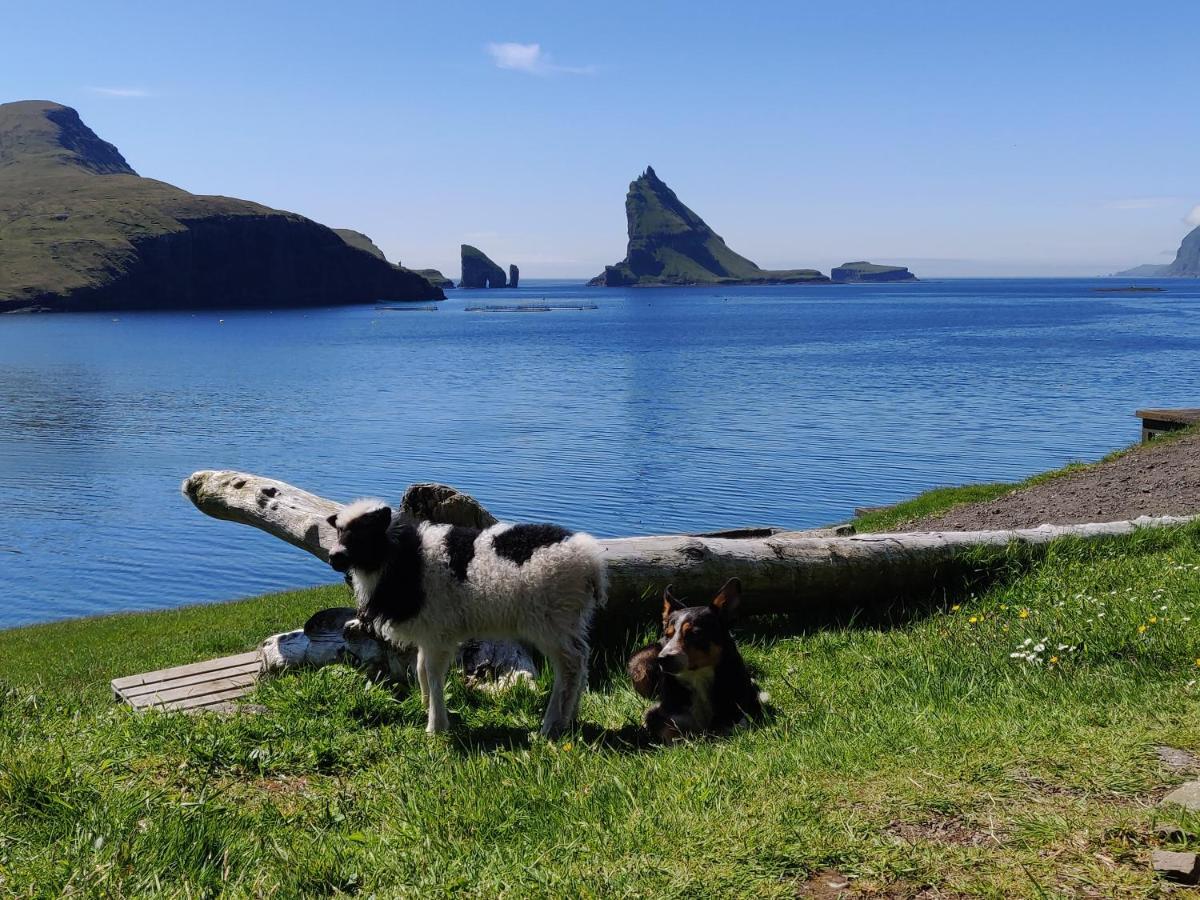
695	671
435	586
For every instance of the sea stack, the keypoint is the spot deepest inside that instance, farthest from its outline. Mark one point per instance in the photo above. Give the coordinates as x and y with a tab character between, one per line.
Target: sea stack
514	275
478	271
862	271
670	244
83	231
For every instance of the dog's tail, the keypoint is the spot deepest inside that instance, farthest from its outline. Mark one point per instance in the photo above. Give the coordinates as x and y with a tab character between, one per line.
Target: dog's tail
597	577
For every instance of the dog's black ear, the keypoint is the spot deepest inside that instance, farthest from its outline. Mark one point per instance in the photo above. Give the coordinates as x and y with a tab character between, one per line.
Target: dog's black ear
670	604
380	518
727	601
332	520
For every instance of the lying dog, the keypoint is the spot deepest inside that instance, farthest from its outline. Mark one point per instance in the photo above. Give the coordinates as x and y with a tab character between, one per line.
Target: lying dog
695	671
437	585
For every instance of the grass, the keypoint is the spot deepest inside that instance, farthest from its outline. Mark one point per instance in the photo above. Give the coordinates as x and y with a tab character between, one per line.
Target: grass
917	753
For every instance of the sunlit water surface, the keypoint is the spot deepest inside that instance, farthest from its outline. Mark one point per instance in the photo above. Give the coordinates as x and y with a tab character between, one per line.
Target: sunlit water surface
663	410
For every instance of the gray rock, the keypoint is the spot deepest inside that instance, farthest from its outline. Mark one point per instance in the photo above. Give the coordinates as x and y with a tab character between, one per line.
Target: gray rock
514	276
1170	831
1186	795
1179	760
1183	868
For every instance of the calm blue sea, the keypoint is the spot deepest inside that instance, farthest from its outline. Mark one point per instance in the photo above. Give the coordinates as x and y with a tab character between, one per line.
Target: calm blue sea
663	410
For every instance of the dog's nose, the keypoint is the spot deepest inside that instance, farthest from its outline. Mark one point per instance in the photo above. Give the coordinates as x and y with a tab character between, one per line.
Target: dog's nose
340	560
672	662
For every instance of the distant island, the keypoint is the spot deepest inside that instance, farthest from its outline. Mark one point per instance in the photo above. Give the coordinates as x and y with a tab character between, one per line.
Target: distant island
852	272
478	271
81	230
1185	265
670	244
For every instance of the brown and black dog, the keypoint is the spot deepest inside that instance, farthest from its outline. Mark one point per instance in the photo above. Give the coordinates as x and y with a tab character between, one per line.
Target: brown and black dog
695	671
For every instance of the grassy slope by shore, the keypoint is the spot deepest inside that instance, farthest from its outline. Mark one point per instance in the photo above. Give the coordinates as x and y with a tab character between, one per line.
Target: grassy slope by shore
937	501
907	753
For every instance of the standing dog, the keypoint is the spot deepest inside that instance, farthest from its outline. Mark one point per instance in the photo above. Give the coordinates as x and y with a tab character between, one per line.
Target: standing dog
695	671
436	585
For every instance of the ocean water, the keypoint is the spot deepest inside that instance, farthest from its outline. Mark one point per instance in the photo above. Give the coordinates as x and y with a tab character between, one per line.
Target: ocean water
662	410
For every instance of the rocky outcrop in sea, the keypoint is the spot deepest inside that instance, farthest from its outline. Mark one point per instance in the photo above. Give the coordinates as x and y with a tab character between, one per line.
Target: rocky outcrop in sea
670	244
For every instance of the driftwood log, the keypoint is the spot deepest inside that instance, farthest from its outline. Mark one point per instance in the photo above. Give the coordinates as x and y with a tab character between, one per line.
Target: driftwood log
781	572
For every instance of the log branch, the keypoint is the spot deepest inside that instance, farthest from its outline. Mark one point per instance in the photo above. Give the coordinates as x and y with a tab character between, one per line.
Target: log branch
298	517
781	571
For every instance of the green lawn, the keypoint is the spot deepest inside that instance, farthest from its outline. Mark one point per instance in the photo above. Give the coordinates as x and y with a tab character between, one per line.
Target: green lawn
917	754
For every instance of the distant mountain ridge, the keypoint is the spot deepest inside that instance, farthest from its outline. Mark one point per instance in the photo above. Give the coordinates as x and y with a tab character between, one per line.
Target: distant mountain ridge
1149	270
81	230
670	244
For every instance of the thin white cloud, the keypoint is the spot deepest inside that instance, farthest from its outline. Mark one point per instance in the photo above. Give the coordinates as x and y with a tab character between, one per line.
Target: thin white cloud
1193	218
531	59
127	93
1144	202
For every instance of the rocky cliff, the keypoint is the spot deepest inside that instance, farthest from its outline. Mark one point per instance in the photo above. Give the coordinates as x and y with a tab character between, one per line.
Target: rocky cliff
514	276
670	244
434	277
81	230
1187	260
851	272
359	240
478	271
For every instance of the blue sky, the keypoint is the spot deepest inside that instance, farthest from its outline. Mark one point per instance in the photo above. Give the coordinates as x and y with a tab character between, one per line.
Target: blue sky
1050	138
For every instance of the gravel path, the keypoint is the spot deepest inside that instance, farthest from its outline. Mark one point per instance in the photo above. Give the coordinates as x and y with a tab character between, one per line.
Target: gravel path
1156	479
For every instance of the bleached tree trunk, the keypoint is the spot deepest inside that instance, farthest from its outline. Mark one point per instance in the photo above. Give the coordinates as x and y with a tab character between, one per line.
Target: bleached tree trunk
298	517
781	572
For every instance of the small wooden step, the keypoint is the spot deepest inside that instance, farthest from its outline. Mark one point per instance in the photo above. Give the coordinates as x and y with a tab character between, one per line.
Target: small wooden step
1161	421
208	685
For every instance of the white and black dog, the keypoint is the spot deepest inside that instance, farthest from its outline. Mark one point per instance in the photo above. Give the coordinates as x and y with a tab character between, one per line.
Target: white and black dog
437	585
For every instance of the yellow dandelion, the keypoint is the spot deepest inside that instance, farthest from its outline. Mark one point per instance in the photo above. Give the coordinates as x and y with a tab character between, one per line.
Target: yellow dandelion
973	619
1053	660
1198	662
956	607
567	746
1141	629
1024	614
1153	619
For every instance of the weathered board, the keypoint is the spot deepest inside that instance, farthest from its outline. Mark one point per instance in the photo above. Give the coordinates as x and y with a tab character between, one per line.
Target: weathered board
1160	421
204	686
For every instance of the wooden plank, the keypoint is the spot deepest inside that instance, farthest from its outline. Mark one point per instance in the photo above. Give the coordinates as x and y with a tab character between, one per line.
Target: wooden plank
171	696
218	701
1183	416
137	690
209	665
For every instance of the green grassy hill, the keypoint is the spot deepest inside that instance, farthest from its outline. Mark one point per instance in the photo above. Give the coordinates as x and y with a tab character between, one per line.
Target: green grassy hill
80	229
670	244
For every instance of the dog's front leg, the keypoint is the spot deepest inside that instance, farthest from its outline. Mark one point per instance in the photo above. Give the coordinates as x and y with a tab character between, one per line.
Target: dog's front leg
423	678
437	664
